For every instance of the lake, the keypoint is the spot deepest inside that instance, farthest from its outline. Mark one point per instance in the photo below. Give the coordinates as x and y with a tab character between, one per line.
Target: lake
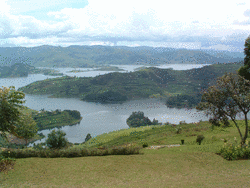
103	118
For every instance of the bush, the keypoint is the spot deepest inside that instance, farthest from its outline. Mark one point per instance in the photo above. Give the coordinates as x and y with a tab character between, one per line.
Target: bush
5	163
88	137
167	123
69	153
234	151
19	153
182	122
144	145
225	121
199	139
178	130
137	119
214	122
57	140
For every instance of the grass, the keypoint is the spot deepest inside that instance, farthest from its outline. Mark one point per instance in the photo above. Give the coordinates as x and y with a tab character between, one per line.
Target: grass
190	165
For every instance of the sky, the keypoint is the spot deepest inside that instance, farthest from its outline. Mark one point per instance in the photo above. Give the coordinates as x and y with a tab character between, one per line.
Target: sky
193	24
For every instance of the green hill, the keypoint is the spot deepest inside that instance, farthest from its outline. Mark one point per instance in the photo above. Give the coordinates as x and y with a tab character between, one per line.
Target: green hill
145	83
92	56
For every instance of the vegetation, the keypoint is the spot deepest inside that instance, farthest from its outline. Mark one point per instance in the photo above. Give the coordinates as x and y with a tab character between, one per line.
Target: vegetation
199	139
150	82
49	72
56	140
179	159
109	68
22	70
92	56
26	127
44	120
16	70
88	137
10	103
187	101
106	97
18	122
229	97
244	70
49	120
137	119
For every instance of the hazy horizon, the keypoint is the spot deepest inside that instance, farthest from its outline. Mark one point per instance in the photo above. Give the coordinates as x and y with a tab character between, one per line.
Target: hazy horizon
177	24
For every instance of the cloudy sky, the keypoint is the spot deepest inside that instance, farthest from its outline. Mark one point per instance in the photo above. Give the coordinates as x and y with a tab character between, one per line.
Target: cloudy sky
193	24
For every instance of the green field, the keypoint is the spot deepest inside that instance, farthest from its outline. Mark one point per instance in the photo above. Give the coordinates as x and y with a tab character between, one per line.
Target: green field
189	165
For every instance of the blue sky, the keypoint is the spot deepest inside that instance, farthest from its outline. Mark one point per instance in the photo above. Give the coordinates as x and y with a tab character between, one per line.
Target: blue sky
193	24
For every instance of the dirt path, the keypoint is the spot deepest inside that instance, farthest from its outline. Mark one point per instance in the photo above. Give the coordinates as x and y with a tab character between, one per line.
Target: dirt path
163	146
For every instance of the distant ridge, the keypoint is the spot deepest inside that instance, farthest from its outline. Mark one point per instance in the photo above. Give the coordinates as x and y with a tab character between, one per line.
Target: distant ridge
92	56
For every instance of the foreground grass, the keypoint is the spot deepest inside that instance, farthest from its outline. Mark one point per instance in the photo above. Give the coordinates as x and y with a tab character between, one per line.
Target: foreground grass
189	165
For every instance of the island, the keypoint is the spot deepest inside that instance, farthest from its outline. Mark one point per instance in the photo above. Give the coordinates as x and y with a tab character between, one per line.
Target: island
102	68
150	82
22	70
44	120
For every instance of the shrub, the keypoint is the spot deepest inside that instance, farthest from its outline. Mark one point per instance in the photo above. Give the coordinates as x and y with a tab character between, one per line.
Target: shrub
57	140
178	130
182	122
5	163
214	122
199	139
144	145
38	146
182	141
167	123
88	137
225	121
234	151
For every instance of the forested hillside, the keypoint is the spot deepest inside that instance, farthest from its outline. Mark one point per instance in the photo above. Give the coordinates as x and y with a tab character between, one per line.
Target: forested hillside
144	83
92	56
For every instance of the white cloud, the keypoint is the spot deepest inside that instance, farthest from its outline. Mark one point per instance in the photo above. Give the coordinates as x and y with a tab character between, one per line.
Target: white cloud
110	21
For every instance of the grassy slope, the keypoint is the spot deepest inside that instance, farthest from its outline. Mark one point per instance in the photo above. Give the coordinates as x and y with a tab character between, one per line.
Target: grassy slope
190	165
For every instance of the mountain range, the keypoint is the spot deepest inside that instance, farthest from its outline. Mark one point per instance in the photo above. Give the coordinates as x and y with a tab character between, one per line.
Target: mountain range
94	56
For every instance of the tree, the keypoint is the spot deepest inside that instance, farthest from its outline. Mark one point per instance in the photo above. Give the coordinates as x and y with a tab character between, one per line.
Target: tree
137	119
26	127
10	105
228	98
88	137
155	122
244	71
56	140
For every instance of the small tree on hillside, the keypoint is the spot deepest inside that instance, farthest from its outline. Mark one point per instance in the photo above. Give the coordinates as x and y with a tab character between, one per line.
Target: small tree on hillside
88	137
228	98
56	140
26	127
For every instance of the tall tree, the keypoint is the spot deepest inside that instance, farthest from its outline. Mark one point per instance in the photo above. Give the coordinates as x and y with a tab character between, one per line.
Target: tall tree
245	70
10	104
26	127
230	97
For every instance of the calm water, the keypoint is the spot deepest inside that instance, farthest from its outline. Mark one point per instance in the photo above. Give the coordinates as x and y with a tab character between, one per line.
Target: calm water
100	118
